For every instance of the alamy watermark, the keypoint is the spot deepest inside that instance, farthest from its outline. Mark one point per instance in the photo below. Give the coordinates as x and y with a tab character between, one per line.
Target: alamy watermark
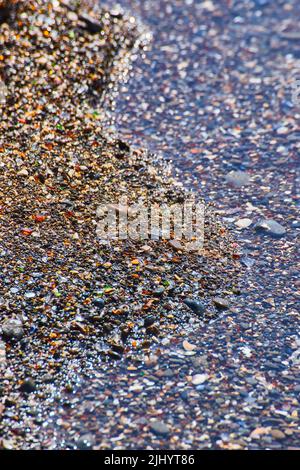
142	221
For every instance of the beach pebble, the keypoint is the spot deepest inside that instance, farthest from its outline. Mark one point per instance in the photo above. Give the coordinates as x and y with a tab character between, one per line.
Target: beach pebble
159	427
199	379
12	329
99	303
28	385
270	227
238	178
221	303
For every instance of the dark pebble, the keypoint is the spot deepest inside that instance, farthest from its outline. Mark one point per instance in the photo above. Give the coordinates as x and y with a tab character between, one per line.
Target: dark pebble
28	385
123	146
221	303
195	305
148	321
158	292
85	442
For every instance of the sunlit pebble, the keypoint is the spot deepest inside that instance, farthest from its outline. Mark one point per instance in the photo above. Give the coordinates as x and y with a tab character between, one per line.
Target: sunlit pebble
29	295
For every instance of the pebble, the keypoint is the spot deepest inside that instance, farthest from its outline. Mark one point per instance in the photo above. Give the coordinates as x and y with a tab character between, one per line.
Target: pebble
277	434
85	442
188	346
238	178
195	305
2	355
176	245
159	427
270	227
199	379
243	223
159	291
99	303
12	329
28	385
221	303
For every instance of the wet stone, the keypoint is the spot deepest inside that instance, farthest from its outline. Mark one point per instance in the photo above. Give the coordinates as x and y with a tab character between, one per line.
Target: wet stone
85	442
270	227
195	305
28	385
159	291
123	146
12	329
159	427
221	303
47	378
176	245
238	178
277	434
149	320
99	303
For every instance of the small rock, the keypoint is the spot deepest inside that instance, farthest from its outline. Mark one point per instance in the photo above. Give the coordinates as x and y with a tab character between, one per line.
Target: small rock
159	427
48	378
6	444
118	348
247	261
296	224
148	321
12	329
199	379
2	355
258	432
282	130
90	23
270	227
85	442
188	346
221	303
176	245
195	305
238	178
99	303
277	434
123	146
28	385
243	223
159	291
290	35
